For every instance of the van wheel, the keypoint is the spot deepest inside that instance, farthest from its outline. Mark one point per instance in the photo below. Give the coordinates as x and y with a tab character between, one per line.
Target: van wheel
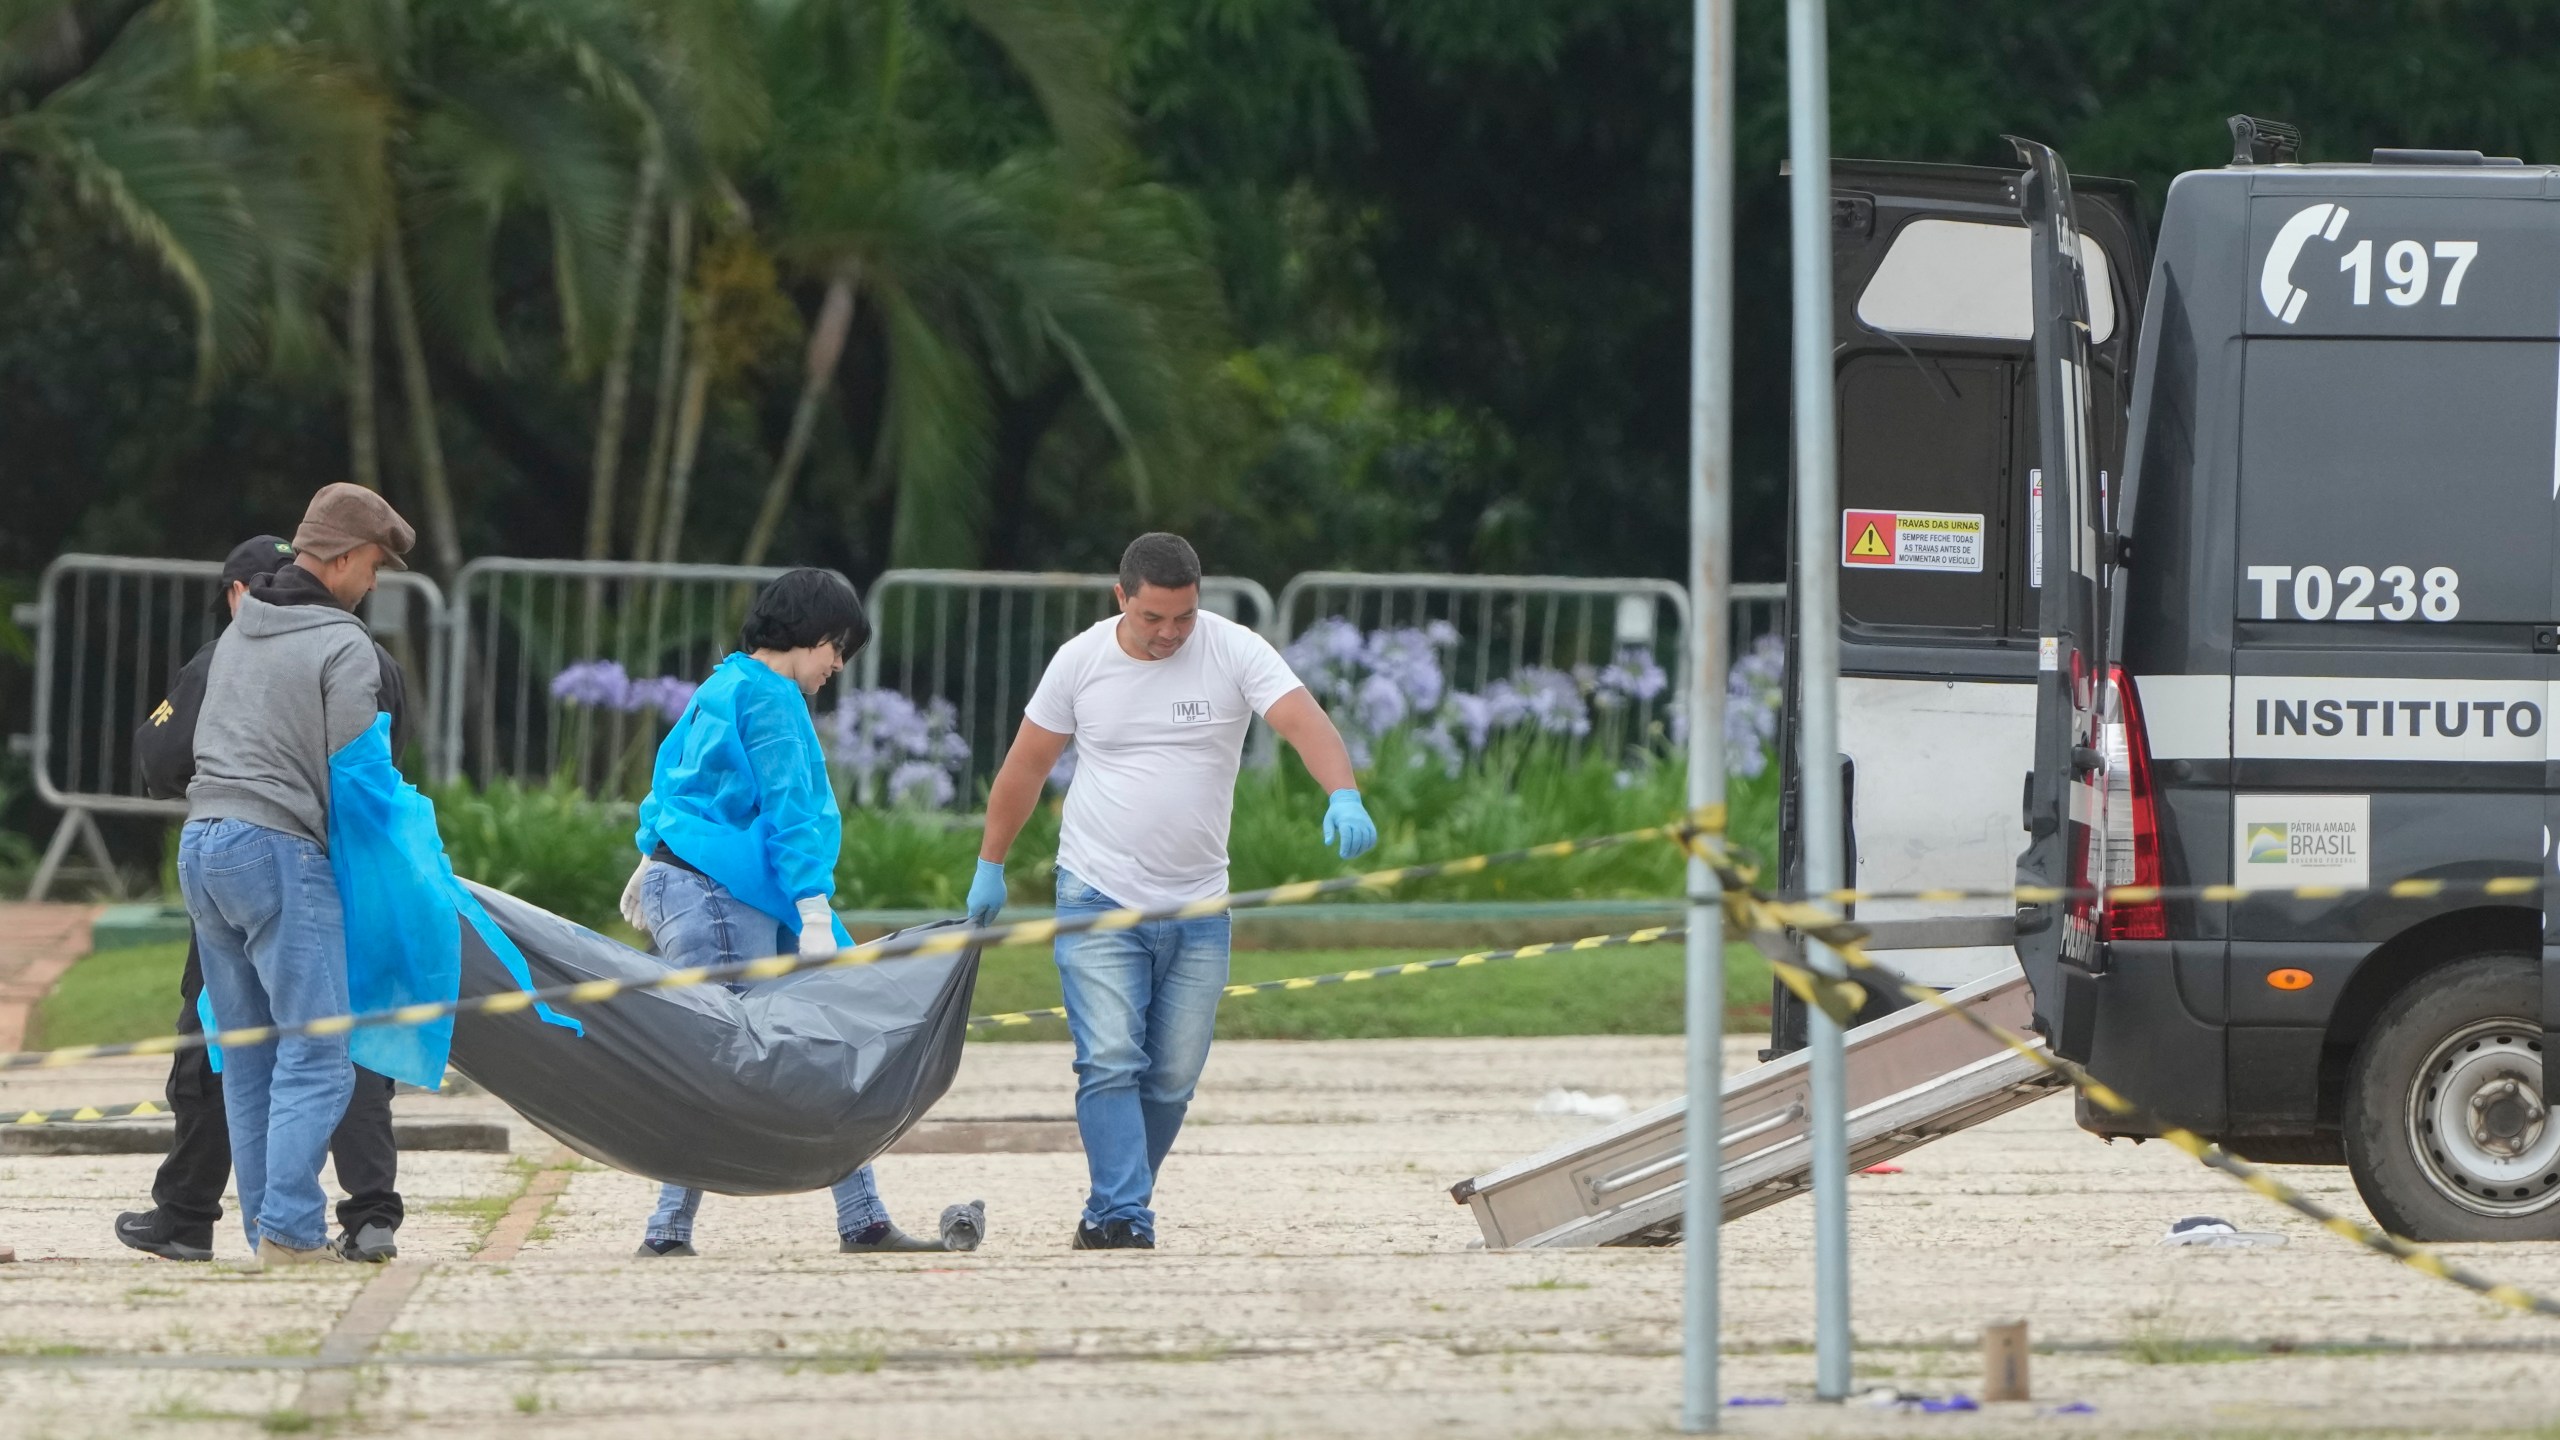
2446	1132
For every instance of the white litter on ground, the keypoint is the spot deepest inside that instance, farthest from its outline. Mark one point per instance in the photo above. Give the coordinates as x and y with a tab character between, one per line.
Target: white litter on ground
2212	1232
1578	1102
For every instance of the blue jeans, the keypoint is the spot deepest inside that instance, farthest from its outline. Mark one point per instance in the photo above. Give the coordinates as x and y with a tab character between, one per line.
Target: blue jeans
1142	1005
272	937
694	920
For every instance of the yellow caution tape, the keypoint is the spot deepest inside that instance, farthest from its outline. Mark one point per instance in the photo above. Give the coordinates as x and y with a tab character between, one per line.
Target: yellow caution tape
938	942
1655	935
2416	889
1758	917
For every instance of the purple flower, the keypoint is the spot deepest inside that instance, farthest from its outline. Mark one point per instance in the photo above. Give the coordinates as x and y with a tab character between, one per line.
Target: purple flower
1755	697
1382	704
605	685
1473	714
1327	658
1411	660
1063	773
600	683
668	694
922	785
1553	700
882	739
1436	740
1633	676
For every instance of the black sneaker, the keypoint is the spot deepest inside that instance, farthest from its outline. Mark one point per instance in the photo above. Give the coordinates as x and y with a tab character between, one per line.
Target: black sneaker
1113	1235
148	1232
663	1249
369	1245
884	1238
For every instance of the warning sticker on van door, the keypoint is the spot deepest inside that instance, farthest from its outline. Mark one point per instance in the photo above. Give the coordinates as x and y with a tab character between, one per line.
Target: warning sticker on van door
2280	840
1911	540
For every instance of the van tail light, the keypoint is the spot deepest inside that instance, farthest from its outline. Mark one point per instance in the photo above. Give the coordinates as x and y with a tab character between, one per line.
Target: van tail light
2133	817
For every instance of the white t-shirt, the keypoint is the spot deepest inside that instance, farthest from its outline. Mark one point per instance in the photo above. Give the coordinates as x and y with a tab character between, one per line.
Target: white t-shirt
1158	743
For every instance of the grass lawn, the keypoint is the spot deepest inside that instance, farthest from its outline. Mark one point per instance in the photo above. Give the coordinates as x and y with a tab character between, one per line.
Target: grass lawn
132	994
1631	991
110	996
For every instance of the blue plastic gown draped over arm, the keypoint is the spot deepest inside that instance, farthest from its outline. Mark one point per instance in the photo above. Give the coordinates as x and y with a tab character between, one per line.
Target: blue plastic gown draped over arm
404	914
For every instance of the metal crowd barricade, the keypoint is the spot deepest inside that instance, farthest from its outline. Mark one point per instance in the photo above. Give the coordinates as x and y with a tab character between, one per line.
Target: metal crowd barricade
1508	623
1758	609
111	634
518	624
980	638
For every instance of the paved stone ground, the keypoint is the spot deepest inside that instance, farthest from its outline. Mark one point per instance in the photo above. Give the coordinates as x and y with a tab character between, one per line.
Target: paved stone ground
38	941
1315	1280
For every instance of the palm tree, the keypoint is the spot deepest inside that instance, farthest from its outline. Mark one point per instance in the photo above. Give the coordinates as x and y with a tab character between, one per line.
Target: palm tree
982	277
495	105
235	162
704	50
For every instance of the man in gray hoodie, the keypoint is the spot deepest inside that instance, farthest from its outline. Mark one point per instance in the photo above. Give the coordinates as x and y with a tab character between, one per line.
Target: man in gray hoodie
292	681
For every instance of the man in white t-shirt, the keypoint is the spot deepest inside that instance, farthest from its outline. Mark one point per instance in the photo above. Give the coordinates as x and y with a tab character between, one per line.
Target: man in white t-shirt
1157	701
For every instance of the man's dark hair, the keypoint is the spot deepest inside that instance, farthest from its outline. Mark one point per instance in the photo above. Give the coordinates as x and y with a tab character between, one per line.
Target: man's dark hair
1159	559
806	607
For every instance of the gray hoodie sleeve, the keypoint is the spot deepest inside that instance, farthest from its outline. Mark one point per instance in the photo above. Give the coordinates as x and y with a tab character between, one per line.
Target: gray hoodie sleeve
350	690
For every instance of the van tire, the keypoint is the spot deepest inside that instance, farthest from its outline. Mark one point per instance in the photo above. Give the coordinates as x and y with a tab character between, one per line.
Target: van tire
2474	1026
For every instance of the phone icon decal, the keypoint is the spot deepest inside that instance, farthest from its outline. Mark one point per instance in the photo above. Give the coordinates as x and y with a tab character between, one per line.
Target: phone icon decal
2275	282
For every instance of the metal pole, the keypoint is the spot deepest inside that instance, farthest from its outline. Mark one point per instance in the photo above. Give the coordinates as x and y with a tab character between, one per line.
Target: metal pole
1709	640
1818	655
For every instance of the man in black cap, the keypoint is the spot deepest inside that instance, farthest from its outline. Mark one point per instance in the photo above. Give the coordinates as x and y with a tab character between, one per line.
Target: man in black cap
187	1193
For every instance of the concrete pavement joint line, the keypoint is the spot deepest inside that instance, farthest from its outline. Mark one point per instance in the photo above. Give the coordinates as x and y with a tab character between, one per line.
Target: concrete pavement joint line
953	1359
516	1226
331	1390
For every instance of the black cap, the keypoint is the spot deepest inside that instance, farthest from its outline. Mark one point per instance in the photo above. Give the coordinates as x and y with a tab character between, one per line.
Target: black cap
258	555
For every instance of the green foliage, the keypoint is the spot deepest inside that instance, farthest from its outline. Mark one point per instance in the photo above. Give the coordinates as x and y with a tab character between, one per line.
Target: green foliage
550	845
17	849
215	155
897	858
900	859
1451	240
1525	790
570	854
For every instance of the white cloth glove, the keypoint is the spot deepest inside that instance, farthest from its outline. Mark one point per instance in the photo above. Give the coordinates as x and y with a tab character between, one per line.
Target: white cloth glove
817	927
631	910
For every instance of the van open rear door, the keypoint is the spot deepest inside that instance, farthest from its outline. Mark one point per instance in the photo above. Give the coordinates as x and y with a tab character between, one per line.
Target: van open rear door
2066	792
1940	454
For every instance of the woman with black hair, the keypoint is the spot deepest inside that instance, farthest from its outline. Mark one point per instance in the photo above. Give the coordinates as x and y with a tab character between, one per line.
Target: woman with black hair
738	842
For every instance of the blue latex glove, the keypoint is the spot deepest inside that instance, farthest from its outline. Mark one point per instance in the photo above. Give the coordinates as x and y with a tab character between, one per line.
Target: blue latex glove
986	893
1347	826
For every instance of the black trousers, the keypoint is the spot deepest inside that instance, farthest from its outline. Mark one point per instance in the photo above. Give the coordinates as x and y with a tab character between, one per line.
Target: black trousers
188	1189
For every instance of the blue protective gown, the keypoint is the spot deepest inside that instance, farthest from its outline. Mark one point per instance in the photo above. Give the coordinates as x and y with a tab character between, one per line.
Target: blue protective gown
740	791
404	915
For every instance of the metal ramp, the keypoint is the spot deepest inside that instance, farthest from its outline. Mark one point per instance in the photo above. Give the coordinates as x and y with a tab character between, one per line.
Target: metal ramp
1913	1076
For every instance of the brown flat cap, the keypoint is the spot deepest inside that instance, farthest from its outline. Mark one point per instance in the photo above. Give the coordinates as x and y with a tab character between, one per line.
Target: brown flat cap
344	516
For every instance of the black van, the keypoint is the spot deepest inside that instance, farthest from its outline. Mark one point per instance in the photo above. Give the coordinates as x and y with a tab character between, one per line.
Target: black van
2309	638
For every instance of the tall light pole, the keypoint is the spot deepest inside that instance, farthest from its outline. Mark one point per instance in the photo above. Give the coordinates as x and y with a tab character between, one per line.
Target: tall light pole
1817	626
1709	641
